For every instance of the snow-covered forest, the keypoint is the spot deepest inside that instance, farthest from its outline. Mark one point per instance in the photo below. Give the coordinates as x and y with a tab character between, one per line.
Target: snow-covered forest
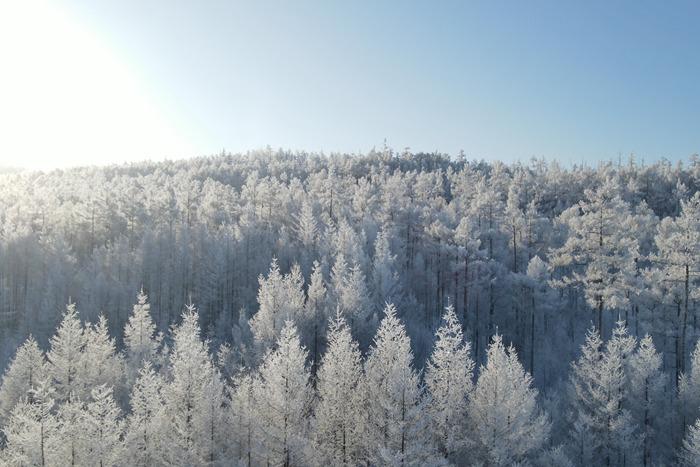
279	308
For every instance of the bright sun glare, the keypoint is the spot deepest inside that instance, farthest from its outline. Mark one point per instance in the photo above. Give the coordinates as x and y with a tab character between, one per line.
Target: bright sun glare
66	99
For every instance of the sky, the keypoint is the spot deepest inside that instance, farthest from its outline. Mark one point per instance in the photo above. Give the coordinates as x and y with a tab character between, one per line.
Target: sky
100	82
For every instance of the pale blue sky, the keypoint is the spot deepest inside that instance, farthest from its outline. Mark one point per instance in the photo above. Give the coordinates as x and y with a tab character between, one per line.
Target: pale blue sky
502	80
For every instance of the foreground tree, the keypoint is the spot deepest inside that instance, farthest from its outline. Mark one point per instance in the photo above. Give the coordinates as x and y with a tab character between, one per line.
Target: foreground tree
448	378
397	432
283	398
25	371
509	426
337	430
66	355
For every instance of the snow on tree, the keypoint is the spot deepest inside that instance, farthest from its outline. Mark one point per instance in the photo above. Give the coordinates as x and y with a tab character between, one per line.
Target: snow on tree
677	259
71	433
689	390
143	431
243	418
66	355
690	452
102	365
25	371
384	273
316	310
281	298
140	340
191	369
284	397
508	425
398	432
448	377
647	399
30	433
337	433
103	428
599	254
603	430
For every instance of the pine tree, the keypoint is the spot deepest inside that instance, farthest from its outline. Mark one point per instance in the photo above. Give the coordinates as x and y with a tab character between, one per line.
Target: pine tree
337	437
66	356
398	430
448	378
384	273
509	426
316	309
25	371
283	397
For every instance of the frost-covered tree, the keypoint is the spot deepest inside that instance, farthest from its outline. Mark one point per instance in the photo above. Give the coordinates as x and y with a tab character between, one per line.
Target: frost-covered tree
281	298
243	418
103	429
66	355
143	431
284	396
509	427
647	399
603	430
599	254
26	370
191	369
101	365
448	378
398	430
30	433
140	340
689	391
71	433
690	452
337	425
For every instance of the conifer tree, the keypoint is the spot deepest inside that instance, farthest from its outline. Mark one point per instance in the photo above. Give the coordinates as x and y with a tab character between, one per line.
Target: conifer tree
336	432
448	378
509	426
23	374
66	355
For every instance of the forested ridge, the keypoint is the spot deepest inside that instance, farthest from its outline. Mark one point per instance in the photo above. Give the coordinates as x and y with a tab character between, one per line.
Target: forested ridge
279	308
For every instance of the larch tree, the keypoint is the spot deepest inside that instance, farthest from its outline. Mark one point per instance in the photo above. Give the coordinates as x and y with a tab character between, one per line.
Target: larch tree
244	424
647	399
398	430
23	374
281	298
448	377
284	397
66	355
143	430
30	433
678	259
140	340
689	454
191	367
599	254
509	427
337	433
103	428
102	365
